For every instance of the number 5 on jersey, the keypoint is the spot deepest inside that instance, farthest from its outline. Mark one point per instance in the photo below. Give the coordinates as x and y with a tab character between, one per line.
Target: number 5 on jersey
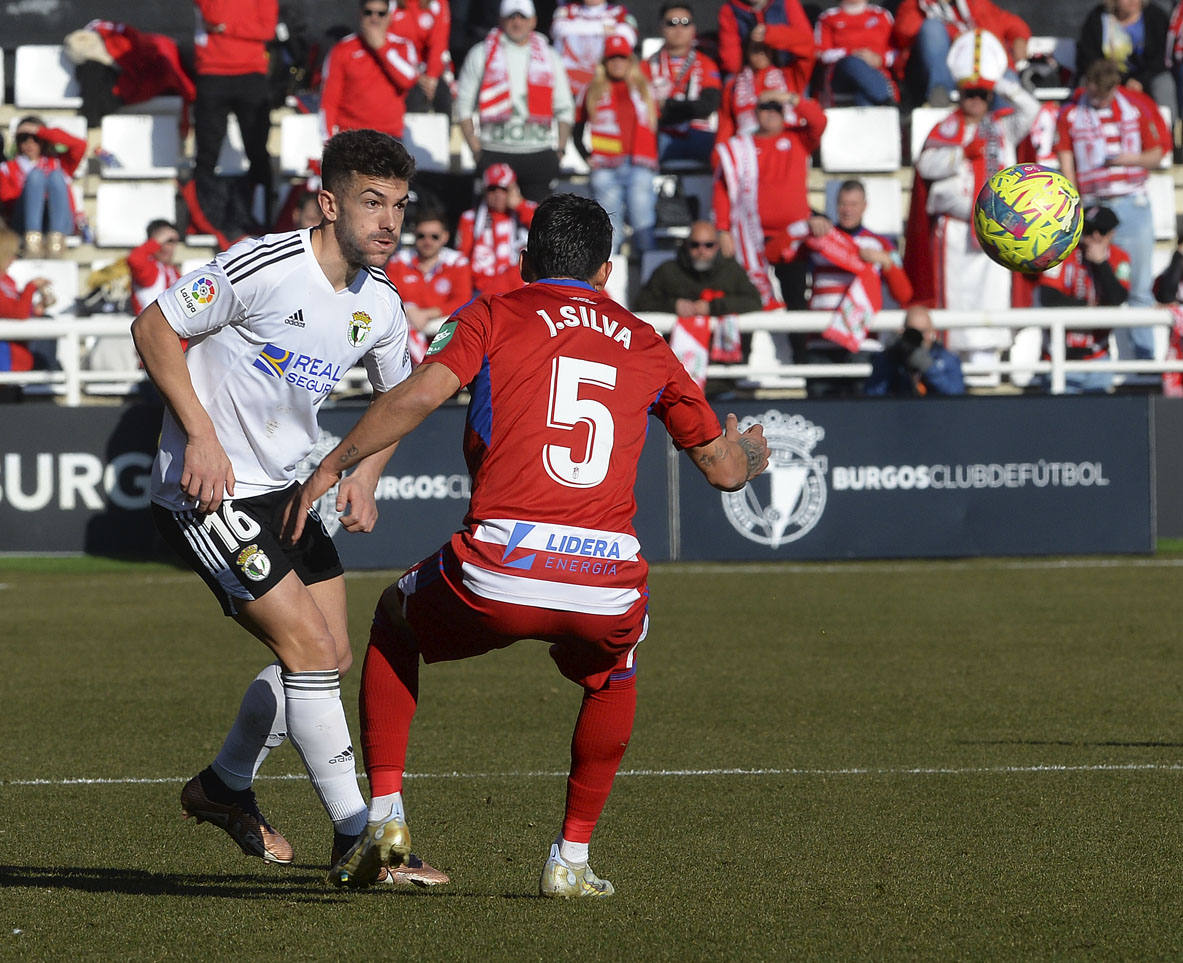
567	410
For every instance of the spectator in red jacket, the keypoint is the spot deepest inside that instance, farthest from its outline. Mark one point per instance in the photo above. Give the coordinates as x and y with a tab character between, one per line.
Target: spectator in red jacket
493	234
427	24
737	115
924	30
153	264
35	186
854	45
231	55
434	280
18	303
780	24
367	76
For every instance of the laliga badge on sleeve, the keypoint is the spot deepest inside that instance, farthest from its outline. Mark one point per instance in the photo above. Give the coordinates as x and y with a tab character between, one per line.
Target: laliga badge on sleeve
197	295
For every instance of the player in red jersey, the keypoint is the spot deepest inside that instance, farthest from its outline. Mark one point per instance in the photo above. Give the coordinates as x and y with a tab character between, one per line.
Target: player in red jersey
562	380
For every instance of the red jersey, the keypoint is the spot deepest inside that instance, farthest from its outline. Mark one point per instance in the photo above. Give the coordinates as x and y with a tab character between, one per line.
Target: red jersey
447	285
1072	279
150	278
840	32
958	16
492	243
426	23
783	163
232	35
786	30
367	88
737	114
563	380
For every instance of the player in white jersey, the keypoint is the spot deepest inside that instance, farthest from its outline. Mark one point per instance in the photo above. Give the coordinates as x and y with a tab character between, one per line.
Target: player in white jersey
272	324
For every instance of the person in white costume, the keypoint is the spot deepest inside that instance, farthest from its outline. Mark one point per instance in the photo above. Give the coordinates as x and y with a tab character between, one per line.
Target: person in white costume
945	263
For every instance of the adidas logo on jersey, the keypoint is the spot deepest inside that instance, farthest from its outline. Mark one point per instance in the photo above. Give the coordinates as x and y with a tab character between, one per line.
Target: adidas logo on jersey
295	319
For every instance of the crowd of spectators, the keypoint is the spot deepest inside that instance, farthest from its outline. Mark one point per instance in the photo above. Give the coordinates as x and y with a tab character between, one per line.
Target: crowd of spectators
740	99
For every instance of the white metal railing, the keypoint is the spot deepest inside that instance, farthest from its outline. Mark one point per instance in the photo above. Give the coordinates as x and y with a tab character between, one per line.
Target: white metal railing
74	336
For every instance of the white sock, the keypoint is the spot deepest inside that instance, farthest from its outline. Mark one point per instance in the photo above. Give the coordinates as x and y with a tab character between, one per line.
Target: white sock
573	854
383	807
259	727
318	730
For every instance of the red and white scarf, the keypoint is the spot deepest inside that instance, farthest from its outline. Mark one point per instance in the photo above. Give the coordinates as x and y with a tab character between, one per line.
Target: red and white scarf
495	99
740	170
953	12
1092	139
607	140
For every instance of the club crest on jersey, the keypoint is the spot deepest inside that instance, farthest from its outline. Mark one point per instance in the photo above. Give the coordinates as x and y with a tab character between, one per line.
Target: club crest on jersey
254	563
442	337
360	324
795	483
196	296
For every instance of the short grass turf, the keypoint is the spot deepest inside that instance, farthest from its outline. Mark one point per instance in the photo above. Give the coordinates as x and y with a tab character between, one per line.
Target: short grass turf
924	760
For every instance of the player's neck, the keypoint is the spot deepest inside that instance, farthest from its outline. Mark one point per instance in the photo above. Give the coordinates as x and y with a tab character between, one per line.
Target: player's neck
337	271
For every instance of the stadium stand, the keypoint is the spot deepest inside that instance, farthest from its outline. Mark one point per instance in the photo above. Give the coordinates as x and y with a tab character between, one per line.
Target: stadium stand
861	140
140	146
43	78
114	199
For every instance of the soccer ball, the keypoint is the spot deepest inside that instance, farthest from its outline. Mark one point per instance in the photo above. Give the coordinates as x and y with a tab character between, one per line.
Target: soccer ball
1028	217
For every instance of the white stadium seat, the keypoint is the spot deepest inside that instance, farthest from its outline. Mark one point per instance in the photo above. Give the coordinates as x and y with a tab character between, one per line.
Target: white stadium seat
2	77
124	209
884	204
43	78
232	157
143	146
924	119
301	139
861	139
62	273
429	139
1162	205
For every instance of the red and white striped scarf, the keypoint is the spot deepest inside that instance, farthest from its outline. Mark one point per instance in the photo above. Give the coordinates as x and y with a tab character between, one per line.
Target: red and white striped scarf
740	170
1092	140
953	12
495	99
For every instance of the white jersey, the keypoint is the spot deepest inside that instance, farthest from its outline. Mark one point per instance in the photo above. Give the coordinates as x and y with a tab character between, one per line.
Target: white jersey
269	339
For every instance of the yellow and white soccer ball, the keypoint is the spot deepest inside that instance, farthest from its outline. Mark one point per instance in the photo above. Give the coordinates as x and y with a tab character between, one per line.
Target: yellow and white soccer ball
1028	218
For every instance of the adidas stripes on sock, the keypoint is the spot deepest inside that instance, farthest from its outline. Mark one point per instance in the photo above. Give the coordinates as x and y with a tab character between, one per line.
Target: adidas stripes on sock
320	733
259	727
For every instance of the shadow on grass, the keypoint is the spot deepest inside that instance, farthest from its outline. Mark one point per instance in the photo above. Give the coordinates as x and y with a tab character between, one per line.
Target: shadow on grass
301	888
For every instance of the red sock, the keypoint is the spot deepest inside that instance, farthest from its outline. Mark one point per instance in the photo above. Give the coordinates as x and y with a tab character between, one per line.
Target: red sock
601	735
389	693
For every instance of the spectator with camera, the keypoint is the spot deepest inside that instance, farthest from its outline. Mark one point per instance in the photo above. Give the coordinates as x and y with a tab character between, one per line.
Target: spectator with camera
1095	274
916	365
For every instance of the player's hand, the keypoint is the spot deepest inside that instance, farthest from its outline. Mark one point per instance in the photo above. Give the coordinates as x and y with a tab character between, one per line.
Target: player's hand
295	512
356	504
751	442
207	476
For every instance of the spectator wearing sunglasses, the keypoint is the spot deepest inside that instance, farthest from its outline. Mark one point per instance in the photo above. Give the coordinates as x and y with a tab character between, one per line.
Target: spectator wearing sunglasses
434	280
687	89
700	280
946	265
367	76
35	186
781	25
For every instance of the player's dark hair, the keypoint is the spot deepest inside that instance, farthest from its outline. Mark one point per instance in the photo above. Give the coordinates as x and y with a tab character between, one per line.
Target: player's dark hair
158	223
570	237
366	152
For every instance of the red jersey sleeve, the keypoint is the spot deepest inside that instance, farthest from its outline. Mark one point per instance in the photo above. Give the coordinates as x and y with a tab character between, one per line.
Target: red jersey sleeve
463	341
683	408
75	147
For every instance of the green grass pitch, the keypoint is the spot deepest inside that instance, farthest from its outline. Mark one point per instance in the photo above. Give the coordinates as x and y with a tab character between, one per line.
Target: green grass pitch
971	760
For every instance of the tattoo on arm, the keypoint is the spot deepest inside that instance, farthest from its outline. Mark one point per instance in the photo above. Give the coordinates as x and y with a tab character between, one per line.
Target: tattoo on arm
350	452
753	454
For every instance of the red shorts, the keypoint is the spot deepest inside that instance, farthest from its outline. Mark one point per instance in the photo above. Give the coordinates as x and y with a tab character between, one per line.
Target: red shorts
451	623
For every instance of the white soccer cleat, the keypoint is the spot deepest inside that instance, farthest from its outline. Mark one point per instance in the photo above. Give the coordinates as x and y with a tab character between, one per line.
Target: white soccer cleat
560	880
385	843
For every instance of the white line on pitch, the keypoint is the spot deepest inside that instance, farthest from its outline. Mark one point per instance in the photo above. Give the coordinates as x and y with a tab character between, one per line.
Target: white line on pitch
917	565
681	773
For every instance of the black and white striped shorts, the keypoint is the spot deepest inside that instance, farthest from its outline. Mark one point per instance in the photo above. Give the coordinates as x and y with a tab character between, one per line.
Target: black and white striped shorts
237	549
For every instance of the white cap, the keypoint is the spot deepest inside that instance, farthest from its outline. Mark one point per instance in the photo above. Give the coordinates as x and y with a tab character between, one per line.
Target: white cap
524	7
976	59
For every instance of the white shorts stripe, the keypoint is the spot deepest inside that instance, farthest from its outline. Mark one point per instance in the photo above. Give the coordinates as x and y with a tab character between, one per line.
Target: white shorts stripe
563	596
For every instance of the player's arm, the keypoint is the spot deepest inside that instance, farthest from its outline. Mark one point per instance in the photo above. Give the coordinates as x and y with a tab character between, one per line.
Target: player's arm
386	422
207	474
355	494
734	458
